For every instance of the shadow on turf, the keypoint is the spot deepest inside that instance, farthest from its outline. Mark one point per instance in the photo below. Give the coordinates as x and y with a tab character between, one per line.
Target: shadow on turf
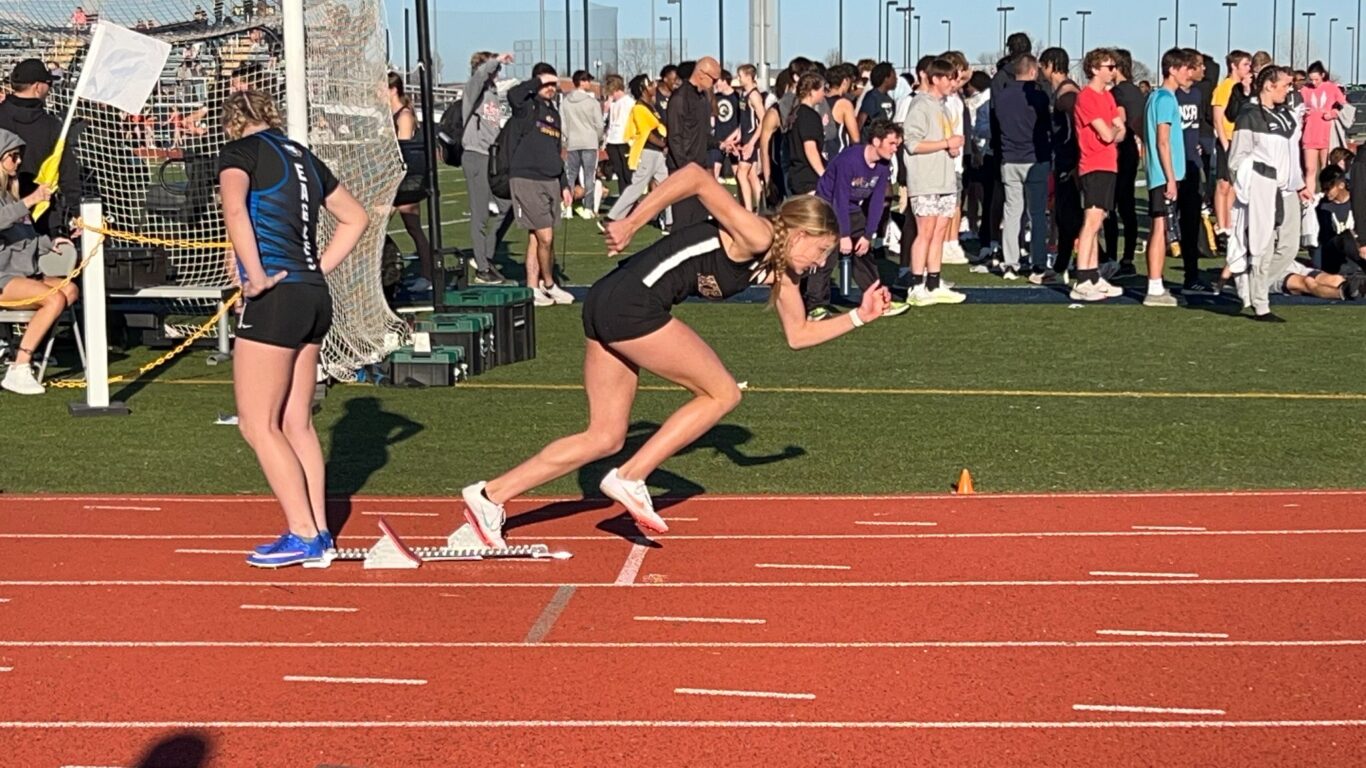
360	448
724	439
189	749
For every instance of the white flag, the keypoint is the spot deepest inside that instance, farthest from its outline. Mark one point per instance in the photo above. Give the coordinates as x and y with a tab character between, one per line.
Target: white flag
122	67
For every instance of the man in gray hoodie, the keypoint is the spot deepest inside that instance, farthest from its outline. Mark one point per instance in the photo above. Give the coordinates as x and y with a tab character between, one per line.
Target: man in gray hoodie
481	118
584	128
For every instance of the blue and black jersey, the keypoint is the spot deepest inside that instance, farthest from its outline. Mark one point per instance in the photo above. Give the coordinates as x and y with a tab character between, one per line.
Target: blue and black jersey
288	187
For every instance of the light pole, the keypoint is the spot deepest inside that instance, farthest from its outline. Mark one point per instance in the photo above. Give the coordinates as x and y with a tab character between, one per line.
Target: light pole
918	48
1061	19
1196	27
1083	15
568	57
1176	25
1331	21
879	30
682	54
948	34
1356	46
887	13
1160	21
1308	19
841	33
670	19
1228	42
721	32
587	55
906	12
1004	10
1292	34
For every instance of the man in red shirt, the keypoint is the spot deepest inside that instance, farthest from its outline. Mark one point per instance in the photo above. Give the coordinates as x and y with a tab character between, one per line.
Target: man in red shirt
1099	131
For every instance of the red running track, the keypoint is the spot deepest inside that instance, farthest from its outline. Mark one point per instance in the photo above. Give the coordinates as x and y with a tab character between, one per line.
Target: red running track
989	630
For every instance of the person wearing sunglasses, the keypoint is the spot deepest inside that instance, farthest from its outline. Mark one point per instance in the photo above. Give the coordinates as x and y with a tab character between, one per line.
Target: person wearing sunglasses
688	122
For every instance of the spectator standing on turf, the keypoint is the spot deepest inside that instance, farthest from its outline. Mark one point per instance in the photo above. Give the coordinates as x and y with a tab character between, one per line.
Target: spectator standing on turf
481	119
1323	98
806	162
688	120
1099	128
538	182
877	102
619	104
1065	128
1131	102
645	132
1239	78
25	114
583	134
665	86
751	113
1190	193
725	128
1166	166
932	184
1022	114
842	128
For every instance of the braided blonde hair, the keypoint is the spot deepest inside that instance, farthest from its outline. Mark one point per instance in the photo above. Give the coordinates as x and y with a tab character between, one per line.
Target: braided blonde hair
245	108
804	213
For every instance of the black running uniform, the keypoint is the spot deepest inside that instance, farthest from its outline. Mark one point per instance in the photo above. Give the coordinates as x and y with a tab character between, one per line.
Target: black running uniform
636	298
725	122
836	138
749	125
284	201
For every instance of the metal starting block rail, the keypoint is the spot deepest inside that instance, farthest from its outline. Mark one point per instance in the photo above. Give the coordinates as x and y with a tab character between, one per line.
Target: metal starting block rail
463	544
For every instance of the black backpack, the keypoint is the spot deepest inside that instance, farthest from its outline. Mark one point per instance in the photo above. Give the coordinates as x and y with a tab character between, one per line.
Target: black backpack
450	134
500	157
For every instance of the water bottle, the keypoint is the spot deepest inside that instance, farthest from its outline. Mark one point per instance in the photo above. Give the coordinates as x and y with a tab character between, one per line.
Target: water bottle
1173	229
846	273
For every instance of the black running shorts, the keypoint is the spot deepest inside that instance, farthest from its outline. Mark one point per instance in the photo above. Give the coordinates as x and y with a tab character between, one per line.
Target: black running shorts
620	308
290	315
1098	190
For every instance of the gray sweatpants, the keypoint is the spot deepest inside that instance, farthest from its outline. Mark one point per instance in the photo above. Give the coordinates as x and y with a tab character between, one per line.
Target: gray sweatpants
651	168
1275	261
485	229
1025	182
586	159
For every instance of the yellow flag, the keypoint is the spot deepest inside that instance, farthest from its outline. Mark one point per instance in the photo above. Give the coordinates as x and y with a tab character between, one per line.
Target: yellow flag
48	174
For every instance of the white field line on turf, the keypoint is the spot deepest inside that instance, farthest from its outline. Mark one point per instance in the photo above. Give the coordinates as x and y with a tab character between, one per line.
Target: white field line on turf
909	523
724	498
1167	528
683	645
803	567
927	725
353	680
1146	710
1159	633
737	537
744	694
1146	575
303	608
446	223
699	620
107	507
631	568
217	584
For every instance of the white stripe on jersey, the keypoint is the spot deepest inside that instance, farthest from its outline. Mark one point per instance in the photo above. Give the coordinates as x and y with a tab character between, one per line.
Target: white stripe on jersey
692	251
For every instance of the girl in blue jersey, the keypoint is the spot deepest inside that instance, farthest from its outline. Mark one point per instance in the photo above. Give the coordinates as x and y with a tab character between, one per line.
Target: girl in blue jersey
273	192
627	319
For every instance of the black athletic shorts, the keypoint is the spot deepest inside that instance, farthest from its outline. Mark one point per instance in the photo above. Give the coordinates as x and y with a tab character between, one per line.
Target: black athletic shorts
1098	190
1221	170
1158	205
620	308
289	315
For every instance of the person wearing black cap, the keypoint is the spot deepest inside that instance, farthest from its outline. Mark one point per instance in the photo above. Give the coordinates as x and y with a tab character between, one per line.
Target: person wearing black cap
22	113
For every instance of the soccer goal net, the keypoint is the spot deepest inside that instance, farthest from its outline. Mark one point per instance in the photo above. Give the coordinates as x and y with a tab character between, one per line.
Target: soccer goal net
156	172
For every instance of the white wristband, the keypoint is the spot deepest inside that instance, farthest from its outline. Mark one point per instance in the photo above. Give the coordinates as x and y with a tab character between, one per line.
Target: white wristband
855	319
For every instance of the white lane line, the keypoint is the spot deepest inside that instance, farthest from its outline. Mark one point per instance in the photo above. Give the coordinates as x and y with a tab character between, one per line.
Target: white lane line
744	694
353	680
303	608
94	766
861	725
699	620
1154	633
402	514
1290	506
1167	528
896	522
211	552
218	584
680	519
1147	575
801	567
629	569
107	507
1146	710
868	645
6	669
4	599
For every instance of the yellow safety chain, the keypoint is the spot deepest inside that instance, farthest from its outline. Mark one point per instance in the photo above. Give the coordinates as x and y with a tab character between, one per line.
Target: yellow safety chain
196	335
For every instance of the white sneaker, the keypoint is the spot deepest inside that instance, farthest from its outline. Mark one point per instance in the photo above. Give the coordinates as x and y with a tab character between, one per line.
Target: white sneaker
946	295
953	253
540	298
566	213
920	296
1110	291
633	495
1085	290
485	517
559	295
584	213
19	379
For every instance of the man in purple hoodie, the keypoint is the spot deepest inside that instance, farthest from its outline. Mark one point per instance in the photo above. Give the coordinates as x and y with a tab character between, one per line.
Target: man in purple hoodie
855	185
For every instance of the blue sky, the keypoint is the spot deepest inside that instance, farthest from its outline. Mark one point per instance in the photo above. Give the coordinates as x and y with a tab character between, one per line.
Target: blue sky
810	27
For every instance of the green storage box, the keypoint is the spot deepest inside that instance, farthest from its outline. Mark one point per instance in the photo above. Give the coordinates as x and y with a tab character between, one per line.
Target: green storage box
514	318
472	333
442	368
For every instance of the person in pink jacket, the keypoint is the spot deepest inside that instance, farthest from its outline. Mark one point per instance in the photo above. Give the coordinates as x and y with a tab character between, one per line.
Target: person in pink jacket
1322	100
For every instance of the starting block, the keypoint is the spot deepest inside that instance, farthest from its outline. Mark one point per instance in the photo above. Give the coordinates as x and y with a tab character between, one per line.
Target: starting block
463	544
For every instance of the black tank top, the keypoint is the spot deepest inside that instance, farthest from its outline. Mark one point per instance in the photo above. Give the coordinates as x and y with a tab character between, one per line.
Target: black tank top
749	119
690	262
727	115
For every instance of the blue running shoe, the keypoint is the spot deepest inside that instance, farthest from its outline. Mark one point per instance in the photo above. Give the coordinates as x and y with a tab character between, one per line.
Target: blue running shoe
267	548
328	542
292	551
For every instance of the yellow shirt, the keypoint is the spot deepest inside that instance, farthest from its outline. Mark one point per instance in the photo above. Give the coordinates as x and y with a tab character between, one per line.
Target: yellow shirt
1222	93
638	127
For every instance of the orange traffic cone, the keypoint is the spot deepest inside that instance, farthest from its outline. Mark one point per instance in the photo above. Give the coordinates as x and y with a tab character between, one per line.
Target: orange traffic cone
964	484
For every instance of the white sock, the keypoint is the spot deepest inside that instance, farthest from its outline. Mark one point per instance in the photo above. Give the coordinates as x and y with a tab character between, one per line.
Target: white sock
1155	287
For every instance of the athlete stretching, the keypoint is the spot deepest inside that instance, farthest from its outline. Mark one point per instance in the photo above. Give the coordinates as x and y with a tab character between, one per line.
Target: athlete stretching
626	318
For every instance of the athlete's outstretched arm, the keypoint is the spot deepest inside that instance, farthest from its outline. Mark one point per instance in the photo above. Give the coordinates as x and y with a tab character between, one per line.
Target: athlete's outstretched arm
802	332
750	232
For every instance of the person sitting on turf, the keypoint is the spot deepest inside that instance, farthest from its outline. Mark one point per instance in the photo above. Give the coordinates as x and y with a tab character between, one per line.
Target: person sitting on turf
627	319
22	283
1339	250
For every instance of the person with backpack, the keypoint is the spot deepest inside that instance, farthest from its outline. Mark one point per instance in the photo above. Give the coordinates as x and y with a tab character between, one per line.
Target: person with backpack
482	118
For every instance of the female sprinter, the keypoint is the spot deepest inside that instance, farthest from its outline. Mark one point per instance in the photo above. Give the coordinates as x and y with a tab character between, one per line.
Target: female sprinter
628	324
272	190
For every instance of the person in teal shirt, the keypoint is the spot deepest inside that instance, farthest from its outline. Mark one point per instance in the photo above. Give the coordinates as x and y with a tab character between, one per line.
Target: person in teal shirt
1166	165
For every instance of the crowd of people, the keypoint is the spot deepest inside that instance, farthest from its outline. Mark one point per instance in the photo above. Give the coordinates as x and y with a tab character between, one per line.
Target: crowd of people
1020	171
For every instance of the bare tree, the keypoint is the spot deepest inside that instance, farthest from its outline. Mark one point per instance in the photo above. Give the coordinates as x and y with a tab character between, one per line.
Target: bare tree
832	57
635	56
